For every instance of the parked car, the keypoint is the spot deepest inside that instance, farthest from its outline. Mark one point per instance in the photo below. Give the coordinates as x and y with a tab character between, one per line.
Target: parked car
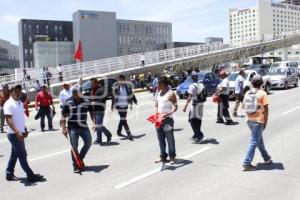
249	74
298	69
285	64
109	83
284	77
209	80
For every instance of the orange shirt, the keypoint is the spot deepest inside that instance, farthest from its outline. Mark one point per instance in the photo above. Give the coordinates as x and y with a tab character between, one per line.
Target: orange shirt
262	100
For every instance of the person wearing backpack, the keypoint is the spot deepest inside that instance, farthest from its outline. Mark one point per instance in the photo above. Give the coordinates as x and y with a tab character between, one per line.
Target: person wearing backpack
256	106
197	95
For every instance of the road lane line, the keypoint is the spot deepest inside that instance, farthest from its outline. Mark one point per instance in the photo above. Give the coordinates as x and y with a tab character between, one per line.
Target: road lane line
291	110
50	155
157	170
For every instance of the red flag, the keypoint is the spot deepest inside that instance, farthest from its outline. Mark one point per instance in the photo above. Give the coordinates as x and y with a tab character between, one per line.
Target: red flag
78	54
156	119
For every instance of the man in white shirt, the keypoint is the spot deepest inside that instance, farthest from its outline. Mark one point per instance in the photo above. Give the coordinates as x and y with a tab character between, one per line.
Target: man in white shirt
223	106
239	91
65	94
196	111
143	60
16	133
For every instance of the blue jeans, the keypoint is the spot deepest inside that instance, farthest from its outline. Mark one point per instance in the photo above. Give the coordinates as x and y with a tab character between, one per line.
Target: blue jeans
256	141
166	134
18	151
100	128
85	134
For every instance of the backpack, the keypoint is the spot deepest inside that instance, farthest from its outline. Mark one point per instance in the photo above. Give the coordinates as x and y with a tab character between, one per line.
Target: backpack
250	102
201	94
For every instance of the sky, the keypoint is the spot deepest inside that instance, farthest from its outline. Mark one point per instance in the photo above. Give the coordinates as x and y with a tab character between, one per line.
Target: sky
193	20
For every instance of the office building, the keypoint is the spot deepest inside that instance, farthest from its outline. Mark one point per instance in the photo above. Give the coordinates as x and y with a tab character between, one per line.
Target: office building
103	35
31	30
211	40
265	20
51	54
9	57
294	2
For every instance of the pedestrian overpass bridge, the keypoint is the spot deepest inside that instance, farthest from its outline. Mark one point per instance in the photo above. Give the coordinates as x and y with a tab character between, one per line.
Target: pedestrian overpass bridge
206	55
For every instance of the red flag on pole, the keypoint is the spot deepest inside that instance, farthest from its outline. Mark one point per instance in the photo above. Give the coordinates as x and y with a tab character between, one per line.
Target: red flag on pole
78	54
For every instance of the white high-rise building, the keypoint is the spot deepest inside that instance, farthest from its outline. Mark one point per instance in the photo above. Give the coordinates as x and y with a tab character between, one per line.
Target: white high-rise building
267	19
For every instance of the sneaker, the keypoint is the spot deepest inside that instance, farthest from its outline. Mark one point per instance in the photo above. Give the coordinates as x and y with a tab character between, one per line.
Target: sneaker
172	161
12	178
269	161
43	130
201	140
248	168
234	114
96	142
109	138
229	122
120	135
35	178
51	129
77	171
161	160
220	122
130	137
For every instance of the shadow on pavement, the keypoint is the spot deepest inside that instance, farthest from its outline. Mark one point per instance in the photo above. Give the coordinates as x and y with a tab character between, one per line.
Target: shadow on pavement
269	167
179	163
134	137
178	129
210	141
108	144
30	184
96	169
233	124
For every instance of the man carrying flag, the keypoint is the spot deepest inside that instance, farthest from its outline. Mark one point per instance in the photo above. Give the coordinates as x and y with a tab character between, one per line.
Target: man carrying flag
76	109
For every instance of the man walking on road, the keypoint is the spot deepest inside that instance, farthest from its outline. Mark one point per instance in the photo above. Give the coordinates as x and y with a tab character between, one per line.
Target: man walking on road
16	133
166	104
44	100
239	91
256	105
99	104
123	98
4	96
76	109
197	94
223	105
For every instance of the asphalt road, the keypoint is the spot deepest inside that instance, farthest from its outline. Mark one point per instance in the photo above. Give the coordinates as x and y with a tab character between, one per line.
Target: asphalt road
126	170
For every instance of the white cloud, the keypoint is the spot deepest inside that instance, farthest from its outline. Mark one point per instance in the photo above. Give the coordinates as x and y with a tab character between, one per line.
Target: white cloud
9	19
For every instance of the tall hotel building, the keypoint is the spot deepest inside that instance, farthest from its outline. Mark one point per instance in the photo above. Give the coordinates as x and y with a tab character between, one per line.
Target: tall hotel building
267	19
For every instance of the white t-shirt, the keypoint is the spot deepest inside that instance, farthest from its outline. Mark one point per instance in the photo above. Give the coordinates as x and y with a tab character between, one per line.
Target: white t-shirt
196	110
64	95
164	105
239	82
16	110
225	84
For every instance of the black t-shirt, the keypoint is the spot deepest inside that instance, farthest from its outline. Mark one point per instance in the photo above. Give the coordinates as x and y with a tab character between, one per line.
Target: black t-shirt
100	98
77	112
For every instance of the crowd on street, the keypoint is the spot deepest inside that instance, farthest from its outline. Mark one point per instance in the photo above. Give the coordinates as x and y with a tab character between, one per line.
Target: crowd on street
75	108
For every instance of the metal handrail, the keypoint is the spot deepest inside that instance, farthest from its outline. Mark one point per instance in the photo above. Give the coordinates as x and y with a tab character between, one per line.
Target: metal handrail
109	65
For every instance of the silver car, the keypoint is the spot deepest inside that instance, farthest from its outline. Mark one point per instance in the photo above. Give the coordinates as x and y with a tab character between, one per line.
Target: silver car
284	77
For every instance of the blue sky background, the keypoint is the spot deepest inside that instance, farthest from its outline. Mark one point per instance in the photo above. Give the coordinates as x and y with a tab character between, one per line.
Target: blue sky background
193	20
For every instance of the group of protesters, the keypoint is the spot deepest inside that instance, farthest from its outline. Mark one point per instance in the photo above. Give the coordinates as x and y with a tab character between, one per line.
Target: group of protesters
75	108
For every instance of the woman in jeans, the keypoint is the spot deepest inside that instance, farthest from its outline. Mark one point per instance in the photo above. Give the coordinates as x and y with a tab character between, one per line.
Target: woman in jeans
166	104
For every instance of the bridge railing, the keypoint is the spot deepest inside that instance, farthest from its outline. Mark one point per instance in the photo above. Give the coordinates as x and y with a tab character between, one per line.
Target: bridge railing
109	65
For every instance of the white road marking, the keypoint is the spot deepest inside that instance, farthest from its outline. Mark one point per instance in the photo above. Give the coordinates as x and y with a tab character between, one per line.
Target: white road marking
291	110
156	170
50	155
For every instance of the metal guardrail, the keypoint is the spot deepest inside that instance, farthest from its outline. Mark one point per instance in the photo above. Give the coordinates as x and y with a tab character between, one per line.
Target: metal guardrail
123	63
